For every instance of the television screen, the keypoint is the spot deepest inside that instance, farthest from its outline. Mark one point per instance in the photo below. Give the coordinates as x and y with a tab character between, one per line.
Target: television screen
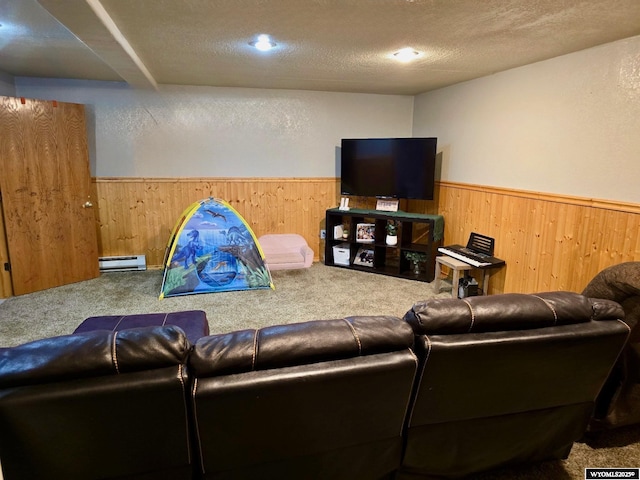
388	167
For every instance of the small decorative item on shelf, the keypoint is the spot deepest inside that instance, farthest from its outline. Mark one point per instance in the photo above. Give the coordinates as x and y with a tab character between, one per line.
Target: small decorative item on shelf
365	233
416	258
345	233
364	257
392	233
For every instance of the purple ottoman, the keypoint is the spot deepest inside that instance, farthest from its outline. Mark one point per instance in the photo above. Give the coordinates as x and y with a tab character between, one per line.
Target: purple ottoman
193	322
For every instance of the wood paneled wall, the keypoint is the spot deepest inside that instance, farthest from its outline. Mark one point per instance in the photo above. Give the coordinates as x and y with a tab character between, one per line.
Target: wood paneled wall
137	215
6	288
550	242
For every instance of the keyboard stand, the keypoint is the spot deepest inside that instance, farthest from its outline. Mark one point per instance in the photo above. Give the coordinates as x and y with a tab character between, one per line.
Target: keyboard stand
457	266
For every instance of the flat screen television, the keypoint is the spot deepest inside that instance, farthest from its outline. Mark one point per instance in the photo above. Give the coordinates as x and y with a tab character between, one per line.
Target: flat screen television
388	167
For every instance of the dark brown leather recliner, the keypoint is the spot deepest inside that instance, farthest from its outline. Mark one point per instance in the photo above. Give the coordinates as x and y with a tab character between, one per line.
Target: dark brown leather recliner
315	400
96	405
506	379
619	402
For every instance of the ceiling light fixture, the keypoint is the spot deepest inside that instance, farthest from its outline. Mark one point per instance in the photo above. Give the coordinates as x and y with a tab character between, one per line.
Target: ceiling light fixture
263	43
406	54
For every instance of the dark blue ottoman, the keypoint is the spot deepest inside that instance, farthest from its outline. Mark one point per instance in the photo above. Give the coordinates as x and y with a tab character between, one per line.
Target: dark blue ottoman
193	322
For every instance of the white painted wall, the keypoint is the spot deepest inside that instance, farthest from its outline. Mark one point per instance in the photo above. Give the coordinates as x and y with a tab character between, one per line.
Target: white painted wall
569	125
222	132
7	89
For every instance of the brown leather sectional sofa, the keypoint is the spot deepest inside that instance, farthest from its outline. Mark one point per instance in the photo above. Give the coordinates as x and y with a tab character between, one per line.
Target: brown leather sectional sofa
456	387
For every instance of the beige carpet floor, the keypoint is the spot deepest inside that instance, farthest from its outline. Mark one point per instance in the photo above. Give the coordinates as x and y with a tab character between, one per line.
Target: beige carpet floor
319	292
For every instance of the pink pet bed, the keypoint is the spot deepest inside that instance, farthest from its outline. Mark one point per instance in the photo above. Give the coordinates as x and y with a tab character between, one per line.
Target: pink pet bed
286	251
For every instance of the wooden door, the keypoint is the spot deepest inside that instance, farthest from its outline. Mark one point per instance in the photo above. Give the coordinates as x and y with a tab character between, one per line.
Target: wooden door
45	185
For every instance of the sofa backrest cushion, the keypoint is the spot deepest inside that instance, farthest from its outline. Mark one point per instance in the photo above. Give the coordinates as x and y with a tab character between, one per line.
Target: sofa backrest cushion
298	344
91	354
321	399
507	378
512	311
96	405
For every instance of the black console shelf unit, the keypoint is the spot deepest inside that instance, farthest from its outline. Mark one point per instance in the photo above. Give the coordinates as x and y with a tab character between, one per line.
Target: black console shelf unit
420	233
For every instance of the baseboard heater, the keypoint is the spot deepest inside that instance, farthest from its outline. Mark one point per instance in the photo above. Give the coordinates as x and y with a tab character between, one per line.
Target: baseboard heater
122	263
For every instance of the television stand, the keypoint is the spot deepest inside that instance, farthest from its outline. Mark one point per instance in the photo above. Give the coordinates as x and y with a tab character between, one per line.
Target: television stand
365	248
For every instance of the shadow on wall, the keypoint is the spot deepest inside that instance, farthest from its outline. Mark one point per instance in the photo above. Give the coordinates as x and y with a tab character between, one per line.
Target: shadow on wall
442	160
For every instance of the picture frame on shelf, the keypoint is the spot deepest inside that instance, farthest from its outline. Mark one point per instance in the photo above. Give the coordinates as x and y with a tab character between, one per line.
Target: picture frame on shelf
387	205
364	257
365	232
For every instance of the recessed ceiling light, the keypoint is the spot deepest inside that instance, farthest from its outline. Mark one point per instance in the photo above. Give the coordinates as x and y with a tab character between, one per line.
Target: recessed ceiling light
406	54
263	43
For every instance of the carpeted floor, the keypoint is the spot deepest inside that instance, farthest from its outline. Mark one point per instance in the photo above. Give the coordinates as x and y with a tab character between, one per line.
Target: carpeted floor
315	293
319	292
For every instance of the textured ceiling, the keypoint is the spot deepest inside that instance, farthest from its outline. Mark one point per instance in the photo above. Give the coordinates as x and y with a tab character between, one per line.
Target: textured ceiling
329	45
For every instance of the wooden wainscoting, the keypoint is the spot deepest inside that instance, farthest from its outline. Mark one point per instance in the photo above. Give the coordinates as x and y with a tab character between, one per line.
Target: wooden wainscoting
137	215
6	287
550	242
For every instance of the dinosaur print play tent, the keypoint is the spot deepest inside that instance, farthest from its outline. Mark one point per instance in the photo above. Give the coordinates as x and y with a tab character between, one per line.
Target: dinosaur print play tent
213	249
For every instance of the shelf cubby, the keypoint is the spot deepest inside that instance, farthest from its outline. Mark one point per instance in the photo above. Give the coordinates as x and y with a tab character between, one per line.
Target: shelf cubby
420	233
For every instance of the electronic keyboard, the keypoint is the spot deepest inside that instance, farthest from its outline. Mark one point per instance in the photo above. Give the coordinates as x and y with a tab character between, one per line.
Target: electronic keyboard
475	259
478	252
